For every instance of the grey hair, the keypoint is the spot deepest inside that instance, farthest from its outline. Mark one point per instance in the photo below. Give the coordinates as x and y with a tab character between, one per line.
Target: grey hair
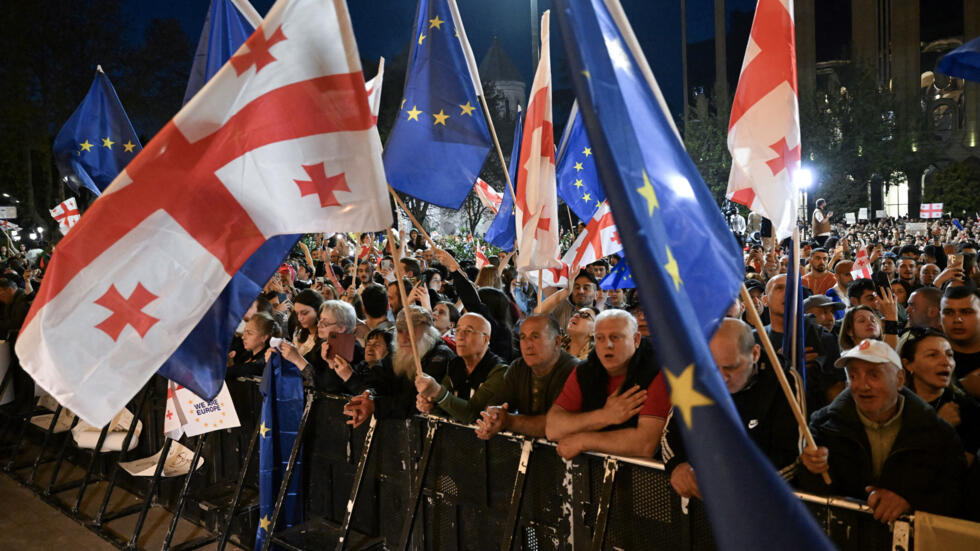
343	312
616	313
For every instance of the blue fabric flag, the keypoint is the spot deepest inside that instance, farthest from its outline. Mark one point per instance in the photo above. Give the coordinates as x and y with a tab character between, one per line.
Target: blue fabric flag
620	277
227	26
688	269
794	293
578	182
503	230
199	362
440	139
963	62
282	409
98	141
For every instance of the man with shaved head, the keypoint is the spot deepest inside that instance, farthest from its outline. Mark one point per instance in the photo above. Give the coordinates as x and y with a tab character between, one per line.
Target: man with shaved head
761	405
474	377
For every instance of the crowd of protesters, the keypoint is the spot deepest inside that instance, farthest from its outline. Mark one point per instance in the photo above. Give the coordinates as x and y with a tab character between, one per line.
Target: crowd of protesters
892	363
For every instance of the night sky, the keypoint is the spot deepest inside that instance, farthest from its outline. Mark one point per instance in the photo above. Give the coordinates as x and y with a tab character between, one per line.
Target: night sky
383	28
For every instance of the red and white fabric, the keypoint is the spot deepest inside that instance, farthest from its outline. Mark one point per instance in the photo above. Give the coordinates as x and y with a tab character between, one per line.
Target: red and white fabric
599	239
280	141
490	197
862	266
931	210
552	277
764	128
536	194
66	214
8	225
373	88
481	258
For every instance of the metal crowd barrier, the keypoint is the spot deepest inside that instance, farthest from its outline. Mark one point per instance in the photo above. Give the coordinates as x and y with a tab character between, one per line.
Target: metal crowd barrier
422	483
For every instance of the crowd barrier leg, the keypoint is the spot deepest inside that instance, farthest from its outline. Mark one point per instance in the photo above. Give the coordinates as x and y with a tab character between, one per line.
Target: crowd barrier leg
356	486
25	419
225	530
101	517
510	527
417	485
60	459
148	500
88	471
8	377
609	466
284	487
44	444
193	544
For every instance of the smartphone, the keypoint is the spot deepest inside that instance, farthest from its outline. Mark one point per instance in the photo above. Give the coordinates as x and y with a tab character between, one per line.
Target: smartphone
969	261
386	264
341	344
881	281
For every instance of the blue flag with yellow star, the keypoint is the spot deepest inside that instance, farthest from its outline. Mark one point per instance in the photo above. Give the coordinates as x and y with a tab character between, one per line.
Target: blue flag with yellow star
578	181
98	141
620	277
282	409
503	230
440	138
688	270
228	25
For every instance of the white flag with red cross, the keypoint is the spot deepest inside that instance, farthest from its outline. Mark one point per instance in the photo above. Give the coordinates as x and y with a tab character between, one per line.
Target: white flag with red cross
66	214
280	141
764	128
552	277
862	266
373	88
931	210
481	257
490	197
537	197
599	239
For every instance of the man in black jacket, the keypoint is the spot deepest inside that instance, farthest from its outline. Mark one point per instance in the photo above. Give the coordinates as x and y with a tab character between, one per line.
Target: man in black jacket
880	441
13	310
759	399
616	401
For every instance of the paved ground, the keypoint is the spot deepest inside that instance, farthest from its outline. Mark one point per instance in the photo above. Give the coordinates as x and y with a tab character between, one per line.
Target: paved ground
27	523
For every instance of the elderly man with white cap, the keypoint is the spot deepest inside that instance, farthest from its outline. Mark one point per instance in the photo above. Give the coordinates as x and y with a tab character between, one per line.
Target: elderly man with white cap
881	442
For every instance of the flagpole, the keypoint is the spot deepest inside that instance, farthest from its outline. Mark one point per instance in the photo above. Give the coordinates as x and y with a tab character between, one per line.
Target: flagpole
796	313
540	283
399	279
412	217
777	367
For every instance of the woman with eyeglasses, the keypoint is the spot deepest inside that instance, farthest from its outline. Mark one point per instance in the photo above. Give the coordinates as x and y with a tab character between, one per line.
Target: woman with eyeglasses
579	339
928	359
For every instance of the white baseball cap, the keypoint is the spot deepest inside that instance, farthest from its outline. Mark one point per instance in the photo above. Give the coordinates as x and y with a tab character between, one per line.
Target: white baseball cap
870	350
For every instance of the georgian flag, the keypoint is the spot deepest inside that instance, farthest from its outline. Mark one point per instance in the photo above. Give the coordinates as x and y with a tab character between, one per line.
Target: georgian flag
862	266
599	239
764	129
490	197
373	87
552	277
931	210
481	257
537	197
66	214
280	141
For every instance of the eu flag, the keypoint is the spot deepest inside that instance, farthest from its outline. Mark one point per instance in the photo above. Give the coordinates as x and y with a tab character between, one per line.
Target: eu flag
620	277
440	138
688	270
578	182
199	361
794	294
228	24
282	409
98	141
503	230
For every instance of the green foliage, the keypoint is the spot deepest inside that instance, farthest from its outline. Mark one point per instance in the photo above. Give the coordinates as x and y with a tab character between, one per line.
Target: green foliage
956	185
706	140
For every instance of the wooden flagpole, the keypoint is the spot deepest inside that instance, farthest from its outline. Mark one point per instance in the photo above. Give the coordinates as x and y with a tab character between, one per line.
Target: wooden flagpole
411	217
777	367
399	279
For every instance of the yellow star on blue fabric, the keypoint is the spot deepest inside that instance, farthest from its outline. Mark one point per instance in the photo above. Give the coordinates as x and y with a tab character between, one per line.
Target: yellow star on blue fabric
587	151
86	146
440	118
421	38
578	183
264	524
436	22
263	429
413	113
578	167
673	270
107	143
649	194
467	109
129	147
586	197
682	393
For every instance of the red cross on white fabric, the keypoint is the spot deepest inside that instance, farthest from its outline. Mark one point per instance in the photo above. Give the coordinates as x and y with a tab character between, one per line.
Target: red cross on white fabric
931	210
322	185
126	311
258	51
786	158
593	237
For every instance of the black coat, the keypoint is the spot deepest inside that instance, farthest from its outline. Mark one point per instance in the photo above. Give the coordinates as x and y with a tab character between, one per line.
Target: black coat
394	395
926	465
12	316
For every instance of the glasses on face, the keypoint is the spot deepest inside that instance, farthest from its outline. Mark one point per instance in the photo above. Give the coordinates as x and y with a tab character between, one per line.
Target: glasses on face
467	332
584	314
325	323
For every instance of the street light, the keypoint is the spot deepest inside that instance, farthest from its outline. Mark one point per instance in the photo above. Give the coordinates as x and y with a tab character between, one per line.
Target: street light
803	179
32	236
